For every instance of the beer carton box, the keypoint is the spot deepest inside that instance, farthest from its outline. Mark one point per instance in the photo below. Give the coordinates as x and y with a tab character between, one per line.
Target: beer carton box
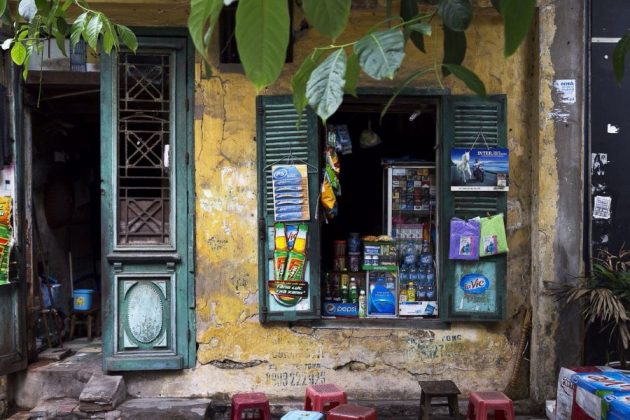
591	388
618	407
566	390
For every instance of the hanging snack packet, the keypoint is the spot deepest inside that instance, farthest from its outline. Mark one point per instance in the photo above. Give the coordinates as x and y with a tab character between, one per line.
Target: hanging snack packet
292	231
295	266
5	251
328	199
464	241
5	210
492	240
279	263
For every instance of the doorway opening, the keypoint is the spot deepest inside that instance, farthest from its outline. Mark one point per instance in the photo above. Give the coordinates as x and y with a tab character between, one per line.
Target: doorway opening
64	158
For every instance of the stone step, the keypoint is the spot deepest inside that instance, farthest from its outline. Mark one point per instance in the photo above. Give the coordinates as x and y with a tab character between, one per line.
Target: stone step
102	393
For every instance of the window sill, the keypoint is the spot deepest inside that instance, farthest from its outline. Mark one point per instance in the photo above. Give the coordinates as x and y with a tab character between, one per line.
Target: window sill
382	323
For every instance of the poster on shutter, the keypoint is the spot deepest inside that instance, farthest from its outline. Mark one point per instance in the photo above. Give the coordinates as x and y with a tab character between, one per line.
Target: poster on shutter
476	290
485	169
290	193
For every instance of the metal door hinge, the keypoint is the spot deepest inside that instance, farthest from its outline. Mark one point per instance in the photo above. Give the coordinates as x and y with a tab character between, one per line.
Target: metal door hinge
187	158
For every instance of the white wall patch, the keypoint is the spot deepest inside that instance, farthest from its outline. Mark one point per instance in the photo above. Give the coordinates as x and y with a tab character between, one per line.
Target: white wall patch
601	207
566	88
612	129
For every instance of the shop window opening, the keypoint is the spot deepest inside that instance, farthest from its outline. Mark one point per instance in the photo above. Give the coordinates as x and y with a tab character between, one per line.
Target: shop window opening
379	251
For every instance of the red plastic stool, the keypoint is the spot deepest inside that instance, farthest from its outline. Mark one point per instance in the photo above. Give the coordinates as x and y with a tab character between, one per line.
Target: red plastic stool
250	401
481	402
351	412
323	397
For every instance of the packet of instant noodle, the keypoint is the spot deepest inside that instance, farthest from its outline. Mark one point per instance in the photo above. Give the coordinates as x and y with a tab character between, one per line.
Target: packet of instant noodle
279	263
5	210
295	266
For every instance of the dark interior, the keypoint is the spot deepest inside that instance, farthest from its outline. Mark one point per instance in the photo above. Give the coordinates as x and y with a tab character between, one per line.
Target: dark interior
408	132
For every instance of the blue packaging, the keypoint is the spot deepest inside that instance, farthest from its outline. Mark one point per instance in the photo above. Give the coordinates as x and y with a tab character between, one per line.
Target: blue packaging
618	407
381	299
613	382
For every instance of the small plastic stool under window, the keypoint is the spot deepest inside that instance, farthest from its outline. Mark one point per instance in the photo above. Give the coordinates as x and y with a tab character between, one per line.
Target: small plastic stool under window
323	397
479	403
351	412
252	405
303	415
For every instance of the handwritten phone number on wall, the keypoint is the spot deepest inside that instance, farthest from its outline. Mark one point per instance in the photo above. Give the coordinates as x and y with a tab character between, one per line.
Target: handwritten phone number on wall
281	379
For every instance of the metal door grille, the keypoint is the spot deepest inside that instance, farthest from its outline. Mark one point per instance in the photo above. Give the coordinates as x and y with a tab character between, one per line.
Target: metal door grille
144	128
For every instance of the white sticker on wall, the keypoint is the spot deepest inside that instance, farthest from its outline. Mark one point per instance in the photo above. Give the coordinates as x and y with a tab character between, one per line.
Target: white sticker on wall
566	88
612	129
601	207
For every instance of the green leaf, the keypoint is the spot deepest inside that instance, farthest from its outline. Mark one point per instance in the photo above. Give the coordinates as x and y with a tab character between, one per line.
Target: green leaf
62	25
300	79
3	6
324	89
108	41
18	53
403	85
60	39
422	28
473	82
202	21
66	5
454	48
329	17
77	29
93	30
517	17
42	7
619	56
497	4
408	11
27	9
456	14
353	68
127	37
262	37
381	53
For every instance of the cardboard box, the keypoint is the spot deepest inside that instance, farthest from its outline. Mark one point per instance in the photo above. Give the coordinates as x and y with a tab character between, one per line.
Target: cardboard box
424	308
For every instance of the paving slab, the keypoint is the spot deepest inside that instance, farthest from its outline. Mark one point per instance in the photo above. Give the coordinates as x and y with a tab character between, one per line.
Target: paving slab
62	408
102	393
55	354
166	409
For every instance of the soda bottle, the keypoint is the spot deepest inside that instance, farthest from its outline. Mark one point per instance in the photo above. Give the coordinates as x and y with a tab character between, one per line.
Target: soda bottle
411	292
353	294
281	238
362	304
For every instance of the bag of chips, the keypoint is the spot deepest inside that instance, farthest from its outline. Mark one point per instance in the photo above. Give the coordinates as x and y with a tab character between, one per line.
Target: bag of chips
492	240
5	210
464	240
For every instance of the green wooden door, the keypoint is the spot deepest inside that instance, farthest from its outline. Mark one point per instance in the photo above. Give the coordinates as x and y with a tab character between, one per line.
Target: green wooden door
147	206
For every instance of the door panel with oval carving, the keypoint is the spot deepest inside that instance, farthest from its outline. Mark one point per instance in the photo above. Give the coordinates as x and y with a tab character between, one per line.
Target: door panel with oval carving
147	206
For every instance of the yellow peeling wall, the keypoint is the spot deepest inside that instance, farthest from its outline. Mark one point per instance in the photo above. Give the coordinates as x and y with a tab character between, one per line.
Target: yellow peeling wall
236	352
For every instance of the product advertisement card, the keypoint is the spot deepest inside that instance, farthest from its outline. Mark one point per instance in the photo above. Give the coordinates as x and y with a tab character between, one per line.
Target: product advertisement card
290	193
476	288
480	169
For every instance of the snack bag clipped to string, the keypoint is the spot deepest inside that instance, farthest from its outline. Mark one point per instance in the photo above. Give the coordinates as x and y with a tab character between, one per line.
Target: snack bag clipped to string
492	239
464	240
328	199
5	210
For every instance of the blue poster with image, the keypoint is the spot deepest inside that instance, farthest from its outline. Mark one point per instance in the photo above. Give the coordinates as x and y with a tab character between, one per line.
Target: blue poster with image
486	169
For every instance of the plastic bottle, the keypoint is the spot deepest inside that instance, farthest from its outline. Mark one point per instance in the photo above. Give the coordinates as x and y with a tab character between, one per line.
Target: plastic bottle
362	304
425	257
411	292
421	291
409	254
430	283
353	294
404	274
344	293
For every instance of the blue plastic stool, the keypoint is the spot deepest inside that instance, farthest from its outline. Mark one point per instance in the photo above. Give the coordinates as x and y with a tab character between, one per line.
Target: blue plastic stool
302	415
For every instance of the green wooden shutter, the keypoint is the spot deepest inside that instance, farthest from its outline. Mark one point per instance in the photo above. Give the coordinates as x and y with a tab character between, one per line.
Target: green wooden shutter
279	141
463	118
